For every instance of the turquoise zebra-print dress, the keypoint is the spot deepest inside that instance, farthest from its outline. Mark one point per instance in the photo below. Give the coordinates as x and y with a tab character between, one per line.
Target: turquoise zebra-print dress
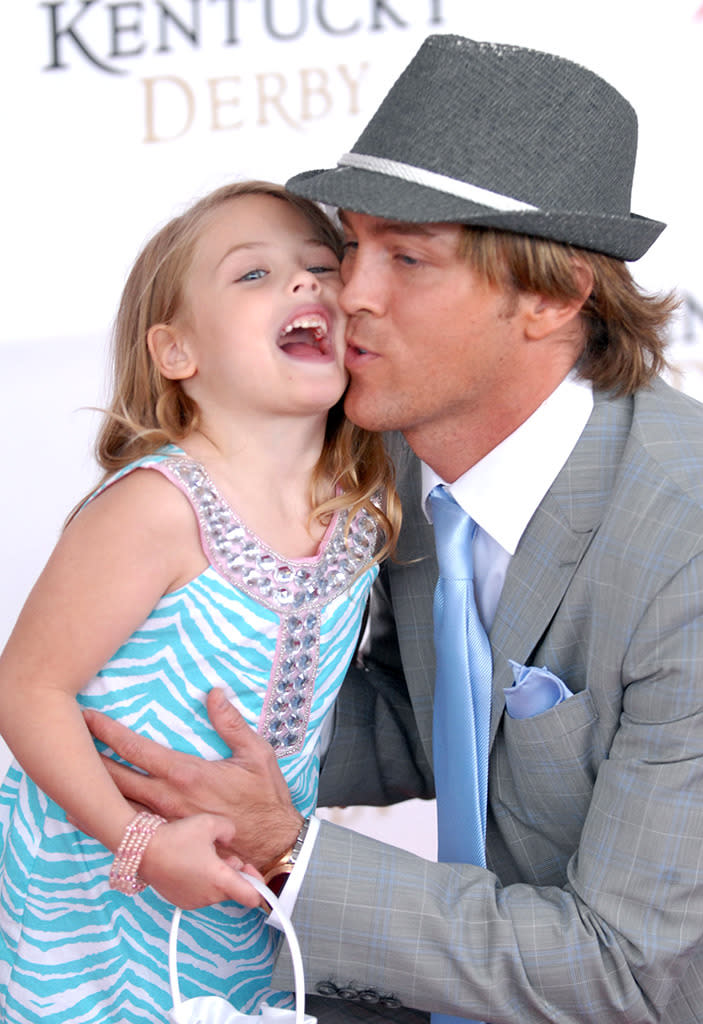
277	635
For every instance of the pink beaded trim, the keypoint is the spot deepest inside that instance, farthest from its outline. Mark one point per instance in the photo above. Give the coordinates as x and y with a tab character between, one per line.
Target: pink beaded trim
123	873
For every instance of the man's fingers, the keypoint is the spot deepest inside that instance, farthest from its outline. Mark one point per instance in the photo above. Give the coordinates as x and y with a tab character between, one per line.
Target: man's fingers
133	785
155	791
137	750
230	725
250	751
247	788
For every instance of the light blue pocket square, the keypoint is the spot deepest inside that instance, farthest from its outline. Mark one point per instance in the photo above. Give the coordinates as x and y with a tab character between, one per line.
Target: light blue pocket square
535	690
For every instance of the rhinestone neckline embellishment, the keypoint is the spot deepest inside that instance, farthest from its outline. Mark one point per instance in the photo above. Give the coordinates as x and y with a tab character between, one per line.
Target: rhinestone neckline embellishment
296	589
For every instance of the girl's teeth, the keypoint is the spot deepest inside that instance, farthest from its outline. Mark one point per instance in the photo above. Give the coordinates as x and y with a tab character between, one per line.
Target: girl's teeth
315	323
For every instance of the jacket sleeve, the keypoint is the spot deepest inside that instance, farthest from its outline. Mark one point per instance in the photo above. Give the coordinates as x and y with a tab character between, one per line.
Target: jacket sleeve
620	940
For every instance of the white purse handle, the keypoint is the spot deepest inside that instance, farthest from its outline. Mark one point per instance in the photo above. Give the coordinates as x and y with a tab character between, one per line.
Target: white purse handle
288	931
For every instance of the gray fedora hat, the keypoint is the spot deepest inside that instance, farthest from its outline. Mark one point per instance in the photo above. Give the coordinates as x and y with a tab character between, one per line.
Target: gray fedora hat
497	136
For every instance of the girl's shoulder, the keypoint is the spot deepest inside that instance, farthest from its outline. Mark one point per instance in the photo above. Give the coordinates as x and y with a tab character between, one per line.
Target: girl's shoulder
142	515
144	501
157	460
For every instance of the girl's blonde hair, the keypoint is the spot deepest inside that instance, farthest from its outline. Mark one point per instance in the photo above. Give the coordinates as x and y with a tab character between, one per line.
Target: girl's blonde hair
147	410
624	328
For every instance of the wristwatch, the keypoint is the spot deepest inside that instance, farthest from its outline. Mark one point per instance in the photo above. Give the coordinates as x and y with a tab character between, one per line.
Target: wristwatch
276	874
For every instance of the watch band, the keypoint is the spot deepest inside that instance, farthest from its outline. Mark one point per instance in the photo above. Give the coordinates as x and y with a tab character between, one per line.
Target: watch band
275	874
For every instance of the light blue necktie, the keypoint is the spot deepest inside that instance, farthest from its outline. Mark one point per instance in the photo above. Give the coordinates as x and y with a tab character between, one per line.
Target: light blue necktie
462	701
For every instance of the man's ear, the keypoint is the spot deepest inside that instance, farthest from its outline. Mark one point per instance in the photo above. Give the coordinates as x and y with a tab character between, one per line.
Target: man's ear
170	352
546	314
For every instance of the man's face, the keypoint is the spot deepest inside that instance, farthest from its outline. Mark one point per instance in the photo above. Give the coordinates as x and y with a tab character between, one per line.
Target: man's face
432	349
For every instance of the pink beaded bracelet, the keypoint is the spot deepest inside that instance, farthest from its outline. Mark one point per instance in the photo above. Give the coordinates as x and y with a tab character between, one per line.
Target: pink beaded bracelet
124	871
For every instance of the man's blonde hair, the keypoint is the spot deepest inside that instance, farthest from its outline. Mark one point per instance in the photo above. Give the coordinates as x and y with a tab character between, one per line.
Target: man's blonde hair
624	328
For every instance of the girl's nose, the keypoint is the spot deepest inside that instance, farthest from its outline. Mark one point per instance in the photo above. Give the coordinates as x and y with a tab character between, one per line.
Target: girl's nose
305	279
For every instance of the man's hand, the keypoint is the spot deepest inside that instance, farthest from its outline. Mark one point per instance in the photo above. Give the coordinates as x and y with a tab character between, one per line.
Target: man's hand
247	788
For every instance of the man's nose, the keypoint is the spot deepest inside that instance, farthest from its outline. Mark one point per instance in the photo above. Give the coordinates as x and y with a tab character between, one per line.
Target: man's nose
361	289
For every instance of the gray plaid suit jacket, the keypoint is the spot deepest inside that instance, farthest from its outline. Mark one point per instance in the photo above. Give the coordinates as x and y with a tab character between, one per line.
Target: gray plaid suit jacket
591	910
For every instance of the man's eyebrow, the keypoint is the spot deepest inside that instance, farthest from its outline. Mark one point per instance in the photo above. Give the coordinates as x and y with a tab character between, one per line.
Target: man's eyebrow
395	227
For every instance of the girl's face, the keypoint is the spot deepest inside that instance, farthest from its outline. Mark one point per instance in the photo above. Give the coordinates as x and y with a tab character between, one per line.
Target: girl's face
260	320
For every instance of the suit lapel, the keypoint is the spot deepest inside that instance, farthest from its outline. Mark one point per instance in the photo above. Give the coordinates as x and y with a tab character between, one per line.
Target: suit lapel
538	577
413	576
555	541
547	557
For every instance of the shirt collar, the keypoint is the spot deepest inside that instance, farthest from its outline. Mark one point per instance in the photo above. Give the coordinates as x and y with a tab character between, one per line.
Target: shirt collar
502	491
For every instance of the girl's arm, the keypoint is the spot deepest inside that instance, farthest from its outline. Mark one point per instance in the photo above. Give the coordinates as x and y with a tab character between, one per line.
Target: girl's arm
112	564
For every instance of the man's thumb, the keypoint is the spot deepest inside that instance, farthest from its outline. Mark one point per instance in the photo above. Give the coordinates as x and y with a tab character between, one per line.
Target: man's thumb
226	720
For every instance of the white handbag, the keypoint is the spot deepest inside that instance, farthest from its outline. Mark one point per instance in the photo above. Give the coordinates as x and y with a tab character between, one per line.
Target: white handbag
215	1009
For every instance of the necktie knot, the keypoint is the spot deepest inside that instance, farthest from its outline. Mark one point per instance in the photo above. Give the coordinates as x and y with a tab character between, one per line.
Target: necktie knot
453	529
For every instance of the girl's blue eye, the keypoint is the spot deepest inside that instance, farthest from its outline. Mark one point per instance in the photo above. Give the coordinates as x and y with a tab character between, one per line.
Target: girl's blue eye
323	270
252	275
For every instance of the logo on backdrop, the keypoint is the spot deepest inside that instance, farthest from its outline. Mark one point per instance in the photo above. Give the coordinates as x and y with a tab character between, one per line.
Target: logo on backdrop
110	35
118	37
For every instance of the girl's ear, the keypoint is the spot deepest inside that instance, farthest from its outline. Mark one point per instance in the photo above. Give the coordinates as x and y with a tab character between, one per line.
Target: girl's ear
170	352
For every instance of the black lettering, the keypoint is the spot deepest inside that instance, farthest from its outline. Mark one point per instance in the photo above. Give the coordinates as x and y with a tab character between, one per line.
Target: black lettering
59	34
118	29
231	38
326	25
436	12
381	5
166	16
302	20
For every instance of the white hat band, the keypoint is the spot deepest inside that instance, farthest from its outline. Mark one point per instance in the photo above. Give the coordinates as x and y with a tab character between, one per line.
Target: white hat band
439	182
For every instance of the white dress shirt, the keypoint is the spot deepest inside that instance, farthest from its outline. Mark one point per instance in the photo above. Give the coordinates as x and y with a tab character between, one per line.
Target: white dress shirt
501	494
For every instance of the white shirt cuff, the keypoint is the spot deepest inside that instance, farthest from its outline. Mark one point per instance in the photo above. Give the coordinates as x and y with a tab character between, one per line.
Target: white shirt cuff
289	893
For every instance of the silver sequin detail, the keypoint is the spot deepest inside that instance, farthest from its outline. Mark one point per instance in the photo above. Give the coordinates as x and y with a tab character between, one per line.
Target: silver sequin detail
296	590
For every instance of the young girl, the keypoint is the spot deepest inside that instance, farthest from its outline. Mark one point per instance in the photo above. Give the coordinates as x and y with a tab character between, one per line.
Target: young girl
231	543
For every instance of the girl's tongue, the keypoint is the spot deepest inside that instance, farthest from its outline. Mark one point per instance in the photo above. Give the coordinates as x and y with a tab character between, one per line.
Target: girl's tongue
306	338
303	343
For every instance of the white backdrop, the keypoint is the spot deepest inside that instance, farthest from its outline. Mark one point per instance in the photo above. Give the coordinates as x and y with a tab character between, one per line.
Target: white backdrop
117	115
